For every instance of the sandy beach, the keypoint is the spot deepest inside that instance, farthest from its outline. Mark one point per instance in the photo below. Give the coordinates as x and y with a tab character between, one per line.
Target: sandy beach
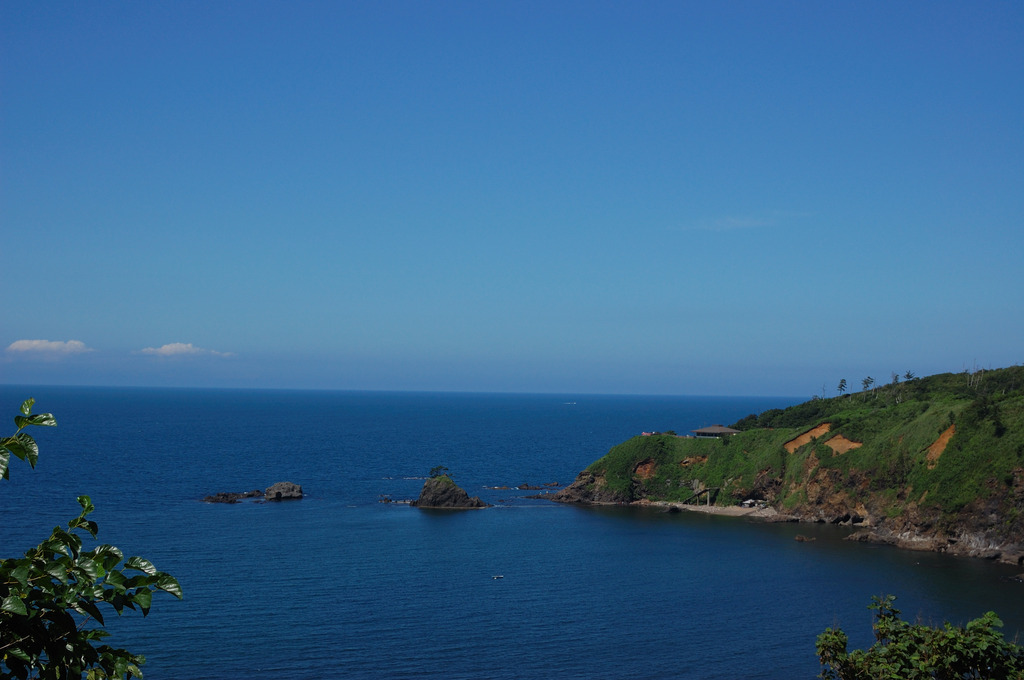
727	510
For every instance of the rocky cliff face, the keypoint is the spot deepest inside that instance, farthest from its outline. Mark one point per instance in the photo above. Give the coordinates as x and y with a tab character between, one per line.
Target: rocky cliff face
442	492
986	528
589	489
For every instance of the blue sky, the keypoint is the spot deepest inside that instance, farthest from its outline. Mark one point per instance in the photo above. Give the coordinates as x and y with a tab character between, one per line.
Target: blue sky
655	198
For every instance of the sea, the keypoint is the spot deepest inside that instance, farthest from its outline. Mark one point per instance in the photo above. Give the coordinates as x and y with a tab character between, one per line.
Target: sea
343	585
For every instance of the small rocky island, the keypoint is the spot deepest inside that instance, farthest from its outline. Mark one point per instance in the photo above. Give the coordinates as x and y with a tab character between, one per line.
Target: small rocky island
281	491
441	491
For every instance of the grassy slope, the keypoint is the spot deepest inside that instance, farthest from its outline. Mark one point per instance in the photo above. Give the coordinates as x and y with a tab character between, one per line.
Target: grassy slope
981	469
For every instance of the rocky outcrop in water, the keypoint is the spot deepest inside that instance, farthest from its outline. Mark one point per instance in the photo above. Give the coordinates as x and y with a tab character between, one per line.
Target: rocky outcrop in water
283	491
232	497
443	492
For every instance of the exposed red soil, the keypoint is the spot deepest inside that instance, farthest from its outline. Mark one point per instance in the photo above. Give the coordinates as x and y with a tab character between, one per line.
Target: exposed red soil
939	445
840	444
794	444
645	469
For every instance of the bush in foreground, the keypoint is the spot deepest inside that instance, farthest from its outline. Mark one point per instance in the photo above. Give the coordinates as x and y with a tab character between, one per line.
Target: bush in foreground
51	622
906	651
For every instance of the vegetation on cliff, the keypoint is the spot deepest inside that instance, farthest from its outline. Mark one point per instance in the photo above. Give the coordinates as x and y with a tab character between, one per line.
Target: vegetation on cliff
942	454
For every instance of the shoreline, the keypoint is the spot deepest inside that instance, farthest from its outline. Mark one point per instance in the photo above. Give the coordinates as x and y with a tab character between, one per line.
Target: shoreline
964	545
722	510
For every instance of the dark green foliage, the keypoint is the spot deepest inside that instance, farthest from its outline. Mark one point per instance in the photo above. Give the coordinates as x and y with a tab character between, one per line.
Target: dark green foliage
444	479
52	600
438	471
905	651
728	464
22	445
747	422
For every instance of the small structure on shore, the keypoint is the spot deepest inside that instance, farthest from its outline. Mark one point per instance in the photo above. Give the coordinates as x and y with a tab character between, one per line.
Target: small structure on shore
715	431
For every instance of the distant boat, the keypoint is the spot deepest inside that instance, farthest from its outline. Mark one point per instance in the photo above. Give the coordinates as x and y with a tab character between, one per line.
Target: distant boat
498	576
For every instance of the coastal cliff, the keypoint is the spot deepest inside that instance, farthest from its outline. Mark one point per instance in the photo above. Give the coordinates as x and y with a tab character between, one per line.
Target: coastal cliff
933	463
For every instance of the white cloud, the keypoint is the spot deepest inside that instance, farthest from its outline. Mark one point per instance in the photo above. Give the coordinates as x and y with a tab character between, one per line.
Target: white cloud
175	349
49	347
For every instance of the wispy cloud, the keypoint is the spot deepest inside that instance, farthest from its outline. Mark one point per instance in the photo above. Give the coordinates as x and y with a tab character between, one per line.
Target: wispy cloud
176	349
50	348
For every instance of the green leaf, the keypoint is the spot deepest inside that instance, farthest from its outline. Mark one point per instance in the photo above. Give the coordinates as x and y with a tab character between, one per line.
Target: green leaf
143	598
26	406
31	448
86	607
45	419
116	580
140	581
107	555
15	605
86	504
15	446
169	584
91	567
118	602
58	571
140	564
107	550
20	574
84	524
70	543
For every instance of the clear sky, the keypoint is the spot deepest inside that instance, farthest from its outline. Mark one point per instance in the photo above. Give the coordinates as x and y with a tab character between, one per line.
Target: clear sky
755	198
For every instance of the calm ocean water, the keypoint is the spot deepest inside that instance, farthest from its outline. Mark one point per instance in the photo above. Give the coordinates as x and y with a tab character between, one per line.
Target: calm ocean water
342	586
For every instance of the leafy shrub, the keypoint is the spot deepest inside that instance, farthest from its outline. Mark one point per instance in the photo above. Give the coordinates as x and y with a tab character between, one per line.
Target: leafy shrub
905	651
51	622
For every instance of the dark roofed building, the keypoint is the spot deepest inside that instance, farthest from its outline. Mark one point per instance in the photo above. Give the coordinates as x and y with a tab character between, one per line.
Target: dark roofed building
715	431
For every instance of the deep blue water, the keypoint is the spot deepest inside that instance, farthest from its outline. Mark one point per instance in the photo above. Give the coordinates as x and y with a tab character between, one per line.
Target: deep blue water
342	586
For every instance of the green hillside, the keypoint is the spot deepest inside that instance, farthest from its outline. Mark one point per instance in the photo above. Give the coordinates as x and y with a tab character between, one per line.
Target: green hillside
942	454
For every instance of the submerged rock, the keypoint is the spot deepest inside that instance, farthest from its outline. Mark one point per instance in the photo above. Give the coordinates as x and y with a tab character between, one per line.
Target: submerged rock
443	492
232	496
283	491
